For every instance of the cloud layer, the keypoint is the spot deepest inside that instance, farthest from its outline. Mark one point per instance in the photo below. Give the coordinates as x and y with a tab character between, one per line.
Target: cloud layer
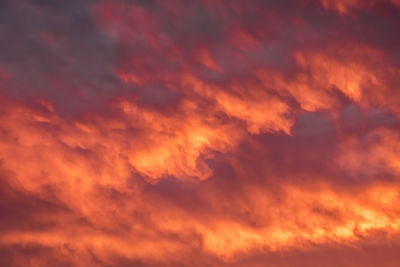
199	133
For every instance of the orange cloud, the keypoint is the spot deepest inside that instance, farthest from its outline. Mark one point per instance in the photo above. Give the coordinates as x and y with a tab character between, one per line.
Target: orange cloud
346	6
199	134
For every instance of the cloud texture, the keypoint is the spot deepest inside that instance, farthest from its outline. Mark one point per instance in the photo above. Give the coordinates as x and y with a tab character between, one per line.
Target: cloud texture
199	133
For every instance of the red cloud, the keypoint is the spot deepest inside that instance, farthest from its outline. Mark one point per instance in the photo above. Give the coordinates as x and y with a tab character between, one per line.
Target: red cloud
200	134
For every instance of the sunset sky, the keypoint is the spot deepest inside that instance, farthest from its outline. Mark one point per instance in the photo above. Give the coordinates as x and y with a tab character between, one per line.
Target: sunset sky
191	133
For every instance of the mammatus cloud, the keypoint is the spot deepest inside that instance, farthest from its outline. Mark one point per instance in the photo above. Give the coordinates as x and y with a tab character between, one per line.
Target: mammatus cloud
202	133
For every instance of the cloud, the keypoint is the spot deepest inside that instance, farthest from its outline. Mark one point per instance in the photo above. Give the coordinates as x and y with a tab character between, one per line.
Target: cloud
344	7
169	133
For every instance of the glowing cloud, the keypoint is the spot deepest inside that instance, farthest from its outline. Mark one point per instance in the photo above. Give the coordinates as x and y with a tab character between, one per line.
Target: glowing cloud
199	133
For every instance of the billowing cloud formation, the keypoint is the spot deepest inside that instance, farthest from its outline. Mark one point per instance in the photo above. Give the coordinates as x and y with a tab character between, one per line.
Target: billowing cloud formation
199	133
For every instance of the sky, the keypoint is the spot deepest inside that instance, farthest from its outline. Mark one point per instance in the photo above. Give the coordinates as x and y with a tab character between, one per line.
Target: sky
199	133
